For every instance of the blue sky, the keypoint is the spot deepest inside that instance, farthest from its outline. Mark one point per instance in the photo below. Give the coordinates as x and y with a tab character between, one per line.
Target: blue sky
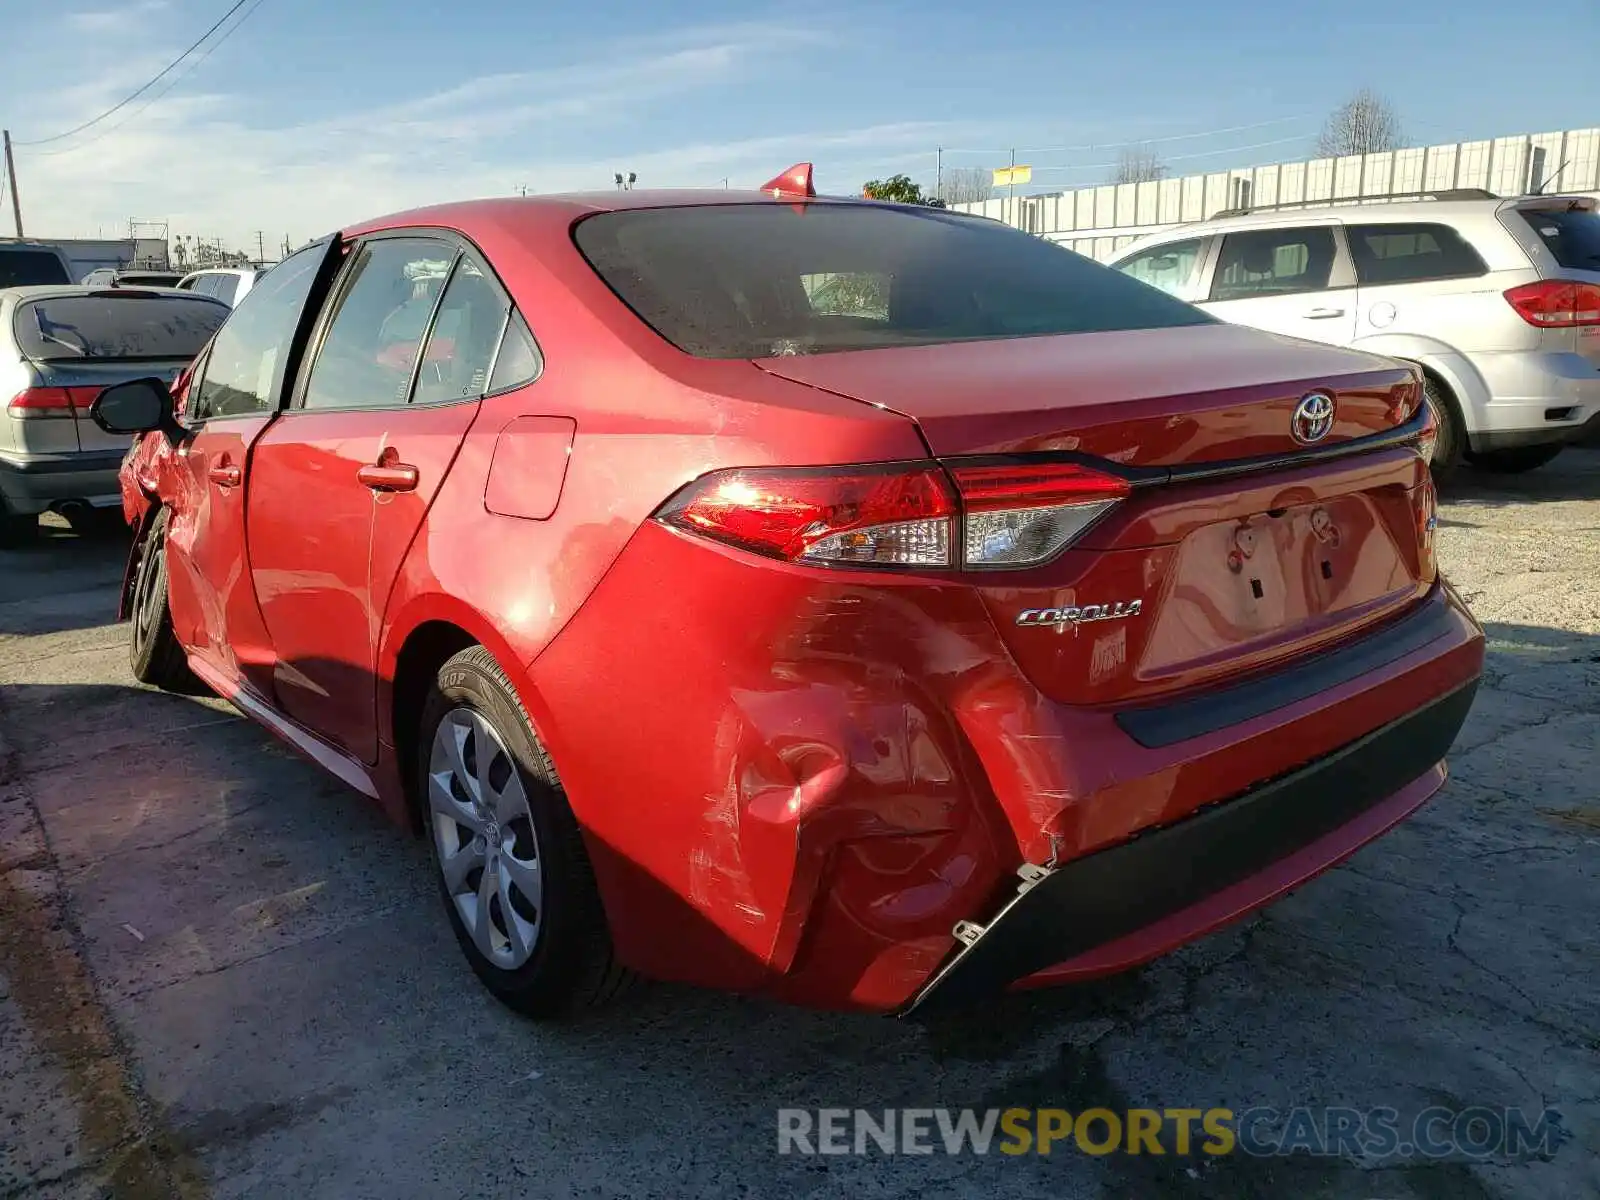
317	113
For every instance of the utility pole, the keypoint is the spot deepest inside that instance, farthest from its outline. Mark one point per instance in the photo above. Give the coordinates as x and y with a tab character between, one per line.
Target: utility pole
261	246
938	173
1014	218
11	178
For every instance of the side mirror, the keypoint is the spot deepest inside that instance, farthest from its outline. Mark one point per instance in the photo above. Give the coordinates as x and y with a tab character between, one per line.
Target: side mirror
137	406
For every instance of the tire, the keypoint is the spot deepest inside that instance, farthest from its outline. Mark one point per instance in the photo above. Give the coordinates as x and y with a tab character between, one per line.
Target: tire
153	651
1451	444
560	960
1514	460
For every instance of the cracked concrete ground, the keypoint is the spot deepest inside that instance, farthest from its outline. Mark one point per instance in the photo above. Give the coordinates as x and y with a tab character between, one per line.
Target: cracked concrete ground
222	974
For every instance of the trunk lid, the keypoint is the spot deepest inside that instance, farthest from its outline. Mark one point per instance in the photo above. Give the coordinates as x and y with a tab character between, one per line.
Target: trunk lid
1149	397
83	380
1213	568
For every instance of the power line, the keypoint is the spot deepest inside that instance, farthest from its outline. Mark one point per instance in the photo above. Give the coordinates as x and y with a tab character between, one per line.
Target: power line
151	82
188	70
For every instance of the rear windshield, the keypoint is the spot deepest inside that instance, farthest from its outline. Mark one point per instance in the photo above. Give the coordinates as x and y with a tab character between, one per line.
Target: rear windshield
761	280
148	279
68	327
1571	236
24	268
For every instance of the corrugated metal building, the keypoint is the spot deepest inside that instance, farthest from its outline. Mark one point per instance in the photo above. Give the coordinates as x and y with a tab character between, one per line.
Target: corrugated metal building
1098	221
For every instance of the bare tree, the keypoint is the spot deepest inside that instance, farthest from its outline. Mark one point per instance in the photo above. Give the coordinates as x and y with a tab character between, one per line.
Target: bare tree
1138	165
966	185
1364	124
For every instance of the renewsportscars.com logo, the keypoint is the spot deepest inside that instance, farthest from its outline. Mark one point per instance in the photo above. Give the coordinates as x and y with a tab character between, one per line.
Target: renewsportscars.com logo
1478	1133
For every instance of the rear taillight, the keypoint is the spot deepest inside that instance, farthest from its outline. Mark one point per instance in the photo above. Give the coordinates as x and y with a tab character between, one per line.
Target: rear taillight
1019	516
43	403
1429	437
1556	303
904	515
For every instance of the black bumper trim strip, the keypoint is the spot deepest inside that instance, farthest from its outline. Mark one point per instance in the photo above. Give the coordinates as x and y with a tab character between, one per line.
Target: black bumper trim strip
1167	724
1114	892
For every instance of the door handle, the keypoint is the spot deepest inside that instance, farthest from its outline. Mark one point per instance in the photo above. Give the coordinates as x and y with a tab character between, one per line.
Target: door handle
1323	314
225	474
389	477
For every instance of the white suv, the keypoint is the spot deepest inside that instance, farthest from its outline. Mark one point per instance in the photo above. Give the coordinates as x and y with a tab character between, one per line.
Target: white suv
1497	300
228	284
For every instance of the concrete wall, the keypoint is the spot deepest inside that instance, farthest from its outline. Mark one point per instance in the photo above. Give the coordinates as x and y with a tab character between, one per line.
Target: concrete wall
1099	221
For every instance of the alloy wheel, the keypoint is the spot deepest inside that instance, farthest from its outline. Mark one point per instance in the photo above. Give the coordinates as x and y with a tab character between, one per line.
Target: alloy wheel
484	838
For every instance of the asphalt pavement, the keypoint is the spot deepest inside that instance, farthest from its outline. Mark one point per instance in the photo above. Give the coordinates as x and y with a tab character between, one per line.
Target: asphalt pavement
223	974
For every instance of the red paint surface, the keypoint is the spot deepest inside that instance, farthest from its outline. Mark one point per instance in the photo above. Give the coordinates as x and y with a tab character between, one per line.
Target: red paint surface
797	779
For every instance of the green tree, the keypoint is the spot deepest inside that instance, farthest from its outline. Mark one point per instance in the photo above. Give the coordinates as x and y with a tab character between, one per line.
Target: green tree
899	189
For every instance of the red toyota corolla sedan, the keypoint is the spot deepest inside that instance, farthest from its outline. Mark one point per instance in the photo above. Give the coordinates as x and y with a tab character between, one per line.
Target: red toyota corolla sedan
869	606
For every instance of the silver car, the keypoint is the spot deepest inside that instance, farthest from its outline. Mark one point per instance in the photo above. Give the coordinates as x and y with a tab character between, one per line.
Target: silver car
59	346
228	284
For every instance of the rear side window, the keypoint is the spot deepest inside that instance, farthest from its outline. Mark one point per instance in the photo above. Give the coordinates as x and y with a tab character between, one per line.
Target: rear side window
1258	263
519	361
1572	236
1411	254
224	287
466	329
24	268
115	327
761	280
1168	267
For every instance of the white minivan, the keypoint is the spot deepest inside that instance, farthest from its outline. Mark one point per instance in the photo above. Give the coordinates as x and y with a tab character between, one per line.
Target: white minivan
1497	300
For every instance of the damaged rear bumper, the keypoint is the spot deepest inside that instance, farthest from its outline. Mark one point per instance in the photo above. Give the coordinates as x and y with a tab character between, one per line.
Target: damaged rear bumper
1090	902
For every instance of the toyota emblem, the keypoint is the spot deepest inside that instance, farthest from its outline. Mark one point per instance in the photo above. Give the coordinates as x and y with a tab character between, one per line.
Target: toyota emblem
1313	418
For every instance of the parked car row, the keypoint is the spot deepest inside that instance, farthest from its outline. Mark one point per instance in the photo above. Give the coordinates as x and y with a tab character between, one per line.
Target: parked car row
1497	300
868	605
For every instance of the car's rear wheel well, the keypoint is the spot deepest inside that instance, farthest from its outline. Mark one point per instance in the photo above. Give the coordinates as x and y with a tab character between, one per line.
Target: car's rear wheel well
429	646
1452	443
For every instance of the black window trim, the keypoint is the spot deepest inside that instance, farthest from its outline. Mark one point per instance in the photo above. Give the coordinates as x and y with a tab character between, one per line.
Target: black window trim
1351	227
315	299
1341	274
460	245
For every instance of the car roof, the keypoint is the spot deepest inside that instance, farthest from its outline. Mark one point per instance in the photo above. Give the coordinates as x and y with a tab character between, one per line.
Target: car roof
1420	210
562	208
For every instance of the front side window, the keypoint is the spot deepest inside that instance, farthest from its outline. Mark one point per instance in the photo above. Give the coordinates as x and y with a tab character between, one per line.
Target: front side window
244	373
1411	254
762	280
1169	267
1262	263
460	350
376	333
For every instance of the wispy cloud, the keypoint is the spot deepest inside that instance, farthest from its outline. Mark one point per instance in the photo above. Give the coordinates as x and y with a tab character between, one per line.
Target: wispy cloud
115	20
199	161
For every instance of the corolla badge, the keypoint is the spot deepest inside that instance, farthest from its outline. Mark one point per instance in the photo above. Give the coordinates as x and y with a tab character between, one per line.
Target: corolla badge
1312	419
1117	611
